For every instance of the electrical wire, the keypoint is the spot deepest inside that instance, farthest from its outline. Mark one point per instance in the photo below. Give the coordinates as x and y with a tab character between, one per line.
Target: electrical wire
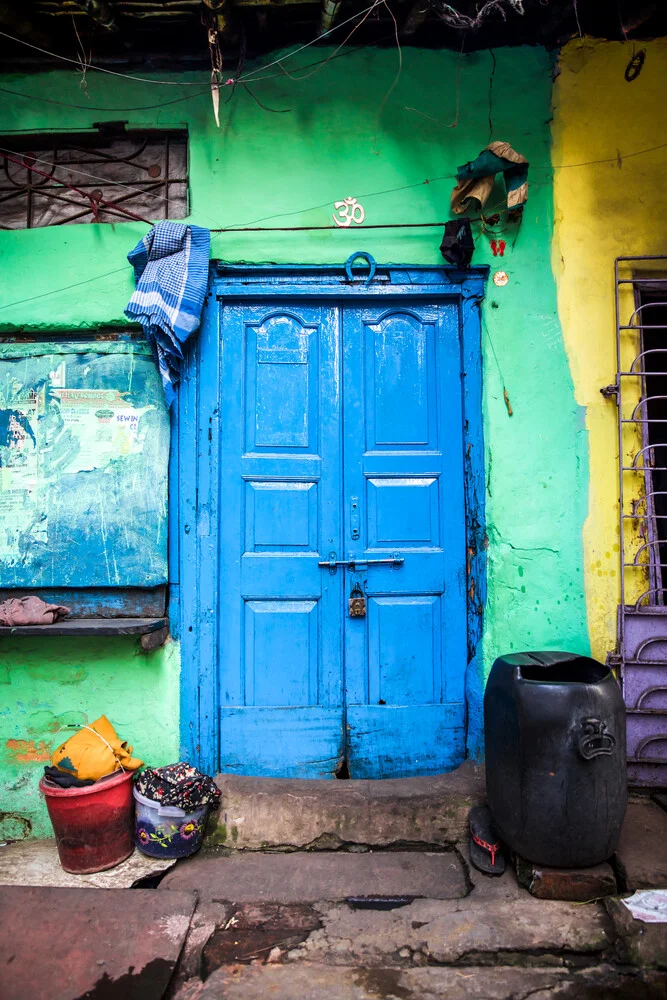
327	204
306	45
610	159
189	83
334	54
321	63
91	107
99	69
436	121
394	84
65	288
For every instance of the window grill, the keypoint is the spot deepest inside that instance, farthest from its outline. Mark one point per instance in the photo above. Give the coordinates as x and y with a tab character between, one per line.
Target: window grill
106	176
641	397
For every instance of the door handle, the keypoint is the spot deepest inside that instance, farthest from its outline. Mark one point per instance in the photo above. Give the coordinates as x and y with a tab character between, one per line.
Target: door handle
352	562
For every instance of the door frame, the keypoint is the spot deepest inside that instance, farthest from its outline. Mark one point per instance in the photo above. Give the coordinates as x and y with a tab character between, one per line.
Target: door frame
194	472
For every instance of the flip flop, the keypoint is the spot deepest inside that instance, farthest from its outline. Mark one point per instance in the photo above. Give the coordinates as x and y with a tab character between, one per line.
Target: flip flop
485	851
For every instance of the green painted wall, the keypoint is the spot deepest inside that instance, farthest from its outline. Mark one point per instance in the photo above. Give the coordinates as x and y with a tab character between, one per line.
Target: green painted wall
337	139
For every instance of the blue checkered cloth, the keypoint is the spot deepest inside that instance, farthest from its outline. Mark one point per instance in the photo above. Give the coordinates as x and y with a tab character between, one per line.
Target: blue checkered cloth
171	275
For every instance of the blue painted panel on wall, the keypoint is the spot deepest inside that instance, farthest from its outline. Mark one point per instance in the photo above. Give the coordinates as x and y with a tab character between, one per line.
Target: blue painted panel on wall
84	447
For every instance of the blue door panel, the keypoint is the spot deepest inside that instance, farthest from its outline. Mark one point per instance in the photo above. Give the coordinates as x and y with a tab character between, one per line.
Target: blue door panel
404	650
377	746
281	742
282	634
280	662
405	662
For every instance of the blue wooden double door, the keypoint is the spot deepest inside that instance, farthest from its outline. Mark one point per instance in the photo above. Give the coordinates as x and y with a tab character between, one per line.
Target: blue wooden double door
340	465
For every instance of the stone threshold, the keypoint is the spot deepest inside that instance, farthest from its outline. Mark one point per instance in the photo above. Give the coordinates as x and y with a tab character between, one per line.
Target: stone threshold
283	814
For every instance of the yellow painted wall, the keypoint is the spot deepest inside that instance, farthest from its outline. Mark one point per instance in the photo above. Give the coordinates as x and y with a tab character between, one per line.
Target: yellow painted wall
602	211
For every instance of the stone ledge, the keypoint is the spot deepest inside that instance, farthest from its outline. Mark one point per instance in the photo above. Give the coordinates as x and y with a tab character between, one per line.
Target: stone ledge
285	814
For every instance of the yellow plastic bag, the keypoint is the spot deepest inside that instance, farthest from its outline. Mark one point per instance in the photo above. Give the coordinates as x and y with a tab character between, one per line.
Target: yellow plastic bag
94	752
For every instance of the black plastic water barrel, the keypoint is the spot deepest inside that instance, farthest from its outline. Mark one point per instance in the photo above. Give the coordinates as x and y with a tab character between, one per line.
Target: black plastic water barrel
556	780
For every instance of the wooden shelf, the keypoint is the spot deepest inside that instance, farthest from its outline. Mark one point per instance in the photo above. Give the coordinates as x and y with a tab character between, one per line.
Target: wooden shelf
89	626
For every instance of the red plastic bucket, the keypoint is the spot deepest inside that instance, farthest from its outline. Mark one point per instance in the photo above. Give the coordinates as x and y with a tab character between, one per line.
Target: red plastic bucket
94	826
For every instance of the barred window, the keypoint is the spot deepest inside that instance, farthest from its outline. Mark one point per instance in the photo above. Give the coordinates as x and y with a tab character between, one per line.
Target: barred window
108	175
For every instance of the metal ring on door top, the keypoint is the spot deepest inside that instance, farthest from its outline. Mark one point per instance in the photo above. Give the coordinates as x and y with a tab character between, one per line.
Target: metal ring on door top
369	260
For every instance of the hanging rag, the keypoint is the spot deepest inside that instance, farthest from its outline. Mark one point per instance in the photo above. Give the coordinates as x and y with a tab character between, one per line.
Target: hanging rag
457	243
94	752
475	180
30	611
178	785
171	274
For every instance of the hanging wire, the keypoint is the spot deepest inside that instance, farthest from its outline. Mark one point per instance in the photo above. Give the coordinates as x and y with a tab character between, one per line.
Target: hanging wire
455	123
65	288
83	61
206	90
394	84
306	45
189	83
455	19
91	107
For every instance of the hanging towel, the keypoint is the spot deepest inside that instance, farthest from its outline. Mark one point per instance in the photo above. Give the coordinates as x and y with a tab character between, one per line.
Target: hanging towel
171	274
475	179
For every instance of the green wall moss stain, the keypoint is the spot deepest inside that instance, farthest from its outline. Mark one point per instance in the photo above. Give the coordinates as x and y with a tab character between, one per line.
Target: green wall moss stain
261	166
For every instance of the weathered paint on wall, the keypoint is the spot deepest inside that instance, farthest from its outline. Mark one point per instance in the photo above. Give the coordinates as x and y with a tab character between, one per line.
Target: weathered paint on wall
339	139
84	447
604	210
46	684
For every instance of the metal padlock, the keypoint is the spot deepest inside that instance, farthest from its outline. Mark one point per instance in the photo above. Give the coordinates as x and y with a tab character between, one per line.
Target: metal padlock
357	603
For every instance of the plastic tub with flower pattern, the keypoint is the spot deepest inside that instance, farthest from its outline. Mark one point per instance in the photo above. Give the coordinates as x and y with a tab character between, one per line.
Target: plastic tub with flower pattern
167	831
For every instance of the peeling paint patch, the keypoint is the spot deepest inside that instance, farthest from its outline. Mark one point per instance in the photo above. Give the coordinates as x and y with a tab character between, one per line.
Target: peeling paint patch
28	751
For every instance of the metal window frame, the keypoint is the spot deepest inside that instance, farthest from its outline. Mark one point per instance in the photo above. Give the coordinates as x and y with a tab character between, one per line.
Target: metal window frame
641	655
97	140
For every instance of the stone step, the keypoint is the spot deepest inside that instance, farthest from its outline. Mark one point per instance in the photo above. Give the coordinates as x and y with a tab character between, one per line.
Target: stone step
286	815
322	875
312	982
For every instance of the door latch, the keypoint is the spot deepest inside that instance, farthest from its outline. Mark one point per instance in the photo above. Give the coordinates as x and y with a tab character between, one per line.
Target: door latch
357	603
354	517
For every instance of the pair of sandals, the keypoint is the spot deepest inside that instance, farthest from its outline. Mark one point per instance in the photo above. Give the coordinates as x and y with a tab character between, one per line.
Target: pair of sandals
485	848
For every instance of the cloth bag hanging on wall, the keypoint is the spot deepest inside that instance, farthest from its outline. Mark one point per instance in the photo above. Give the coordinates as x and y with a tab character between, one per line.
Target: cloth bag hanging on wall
475	179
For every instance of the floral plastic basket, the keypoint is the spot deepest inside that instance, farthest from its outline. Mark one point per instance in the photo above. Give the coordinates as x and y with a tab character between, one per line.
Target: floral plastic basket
167	831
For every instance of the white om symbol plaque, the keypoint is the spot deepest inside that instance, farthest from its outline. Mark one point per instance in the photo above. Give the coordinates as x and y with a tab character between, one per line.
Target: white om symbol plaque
348	211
